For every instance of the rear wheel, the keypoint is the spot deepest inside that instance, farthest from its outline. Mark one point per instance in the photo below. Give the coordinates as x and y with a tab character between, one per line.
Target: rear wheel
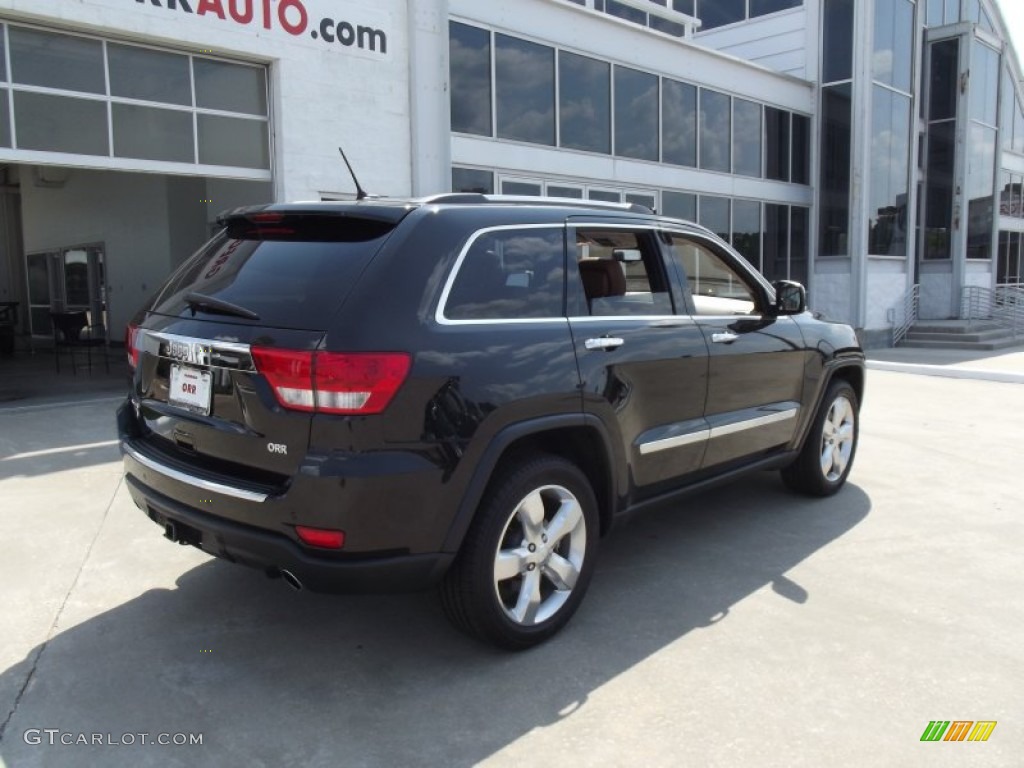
528	557
827	456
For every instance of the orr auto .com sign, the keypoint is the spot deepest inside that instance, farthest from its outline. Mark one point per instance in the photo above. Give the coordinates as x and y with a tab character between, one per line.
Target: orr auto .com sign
292	17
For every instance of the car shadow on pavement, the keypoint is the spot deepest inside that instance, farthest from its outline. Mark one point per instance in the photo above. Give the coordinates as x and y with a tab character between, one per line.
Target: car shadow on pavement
273	677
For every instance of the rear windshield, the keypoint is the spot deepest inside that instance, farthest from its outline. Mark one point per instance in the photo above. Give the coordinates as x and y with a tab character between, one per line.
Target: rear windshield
292	272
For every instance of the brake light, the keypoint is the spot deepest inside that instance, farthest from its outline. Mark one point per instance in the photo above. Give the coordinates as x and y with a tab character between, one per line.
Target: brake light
331	382
130	336
321	537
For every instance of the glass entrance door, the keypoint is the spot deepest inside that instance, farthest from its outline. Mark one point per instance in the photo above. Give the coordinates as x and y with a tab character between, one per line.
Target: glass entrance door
67	280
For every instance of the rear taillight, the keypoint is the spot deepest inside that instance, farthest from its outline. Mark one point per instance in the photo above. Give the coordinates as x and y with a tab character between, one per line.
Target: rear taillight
323	538
330	382
131	334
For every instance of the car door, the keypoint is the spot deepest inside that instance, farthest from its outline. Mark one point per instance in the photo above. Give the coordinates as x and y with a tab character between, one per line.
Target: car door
643	365
756	360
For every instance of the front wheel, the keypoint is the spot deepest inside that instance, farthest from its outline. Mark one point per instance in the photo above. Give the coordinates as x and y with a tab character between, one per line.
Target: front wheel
528	557
827	456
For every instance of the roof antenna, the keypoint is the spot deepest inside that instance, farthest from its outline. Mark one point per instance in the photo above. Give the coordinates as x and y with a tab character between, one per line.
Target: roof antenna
360	192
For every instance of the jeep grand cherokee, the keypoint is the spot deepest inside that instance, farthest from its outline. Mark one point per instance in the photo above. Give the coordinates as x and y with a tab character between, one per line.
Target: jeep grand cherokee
467	391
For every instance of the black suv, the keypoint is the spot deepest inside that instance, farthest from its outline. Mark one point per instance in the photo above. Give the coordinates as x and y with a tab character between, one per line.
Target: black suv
468	390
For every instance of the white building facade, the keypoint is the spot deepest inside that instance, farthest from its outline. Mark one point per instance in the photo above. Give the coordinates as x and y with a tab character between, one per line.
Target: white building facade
860	146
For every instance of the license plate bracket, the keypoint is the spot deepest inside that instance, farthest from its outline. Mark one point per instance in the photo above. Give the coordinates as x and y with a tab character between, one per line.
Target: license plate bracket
190	388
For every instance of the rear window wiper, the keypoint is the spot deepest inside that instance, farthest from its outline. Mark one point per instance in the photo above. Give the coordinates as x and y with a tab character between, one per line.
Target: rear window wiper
217	306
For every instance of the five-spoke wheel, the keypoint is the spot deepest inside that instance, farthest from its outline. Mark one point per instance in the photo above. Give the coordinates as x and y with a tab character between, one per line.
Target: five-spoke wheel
825	460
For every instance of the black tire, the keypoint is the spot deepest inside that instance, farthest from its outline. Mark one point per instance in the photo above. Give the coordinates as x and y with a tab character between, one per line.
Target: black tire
813	473
482	603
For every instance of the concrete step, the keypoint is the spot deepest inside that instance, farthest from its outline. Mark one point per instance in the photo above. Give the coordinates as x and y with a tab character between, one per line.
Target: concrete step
981	346
917	335
954	326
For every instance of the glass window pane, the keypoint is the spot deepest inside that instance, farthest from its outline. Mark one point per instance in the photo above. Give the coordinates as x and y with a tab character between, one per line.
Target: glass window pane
510	275
5	119
604	195
714	131
524	188
838	43
636	114
746	230
761	7
801	149
683	6
799	243
952	12
668	27
1006	105
638	198
614	286
3	54
715	287
714	214
939	206
230	87
892	60
586	103
678	123
555	190
153	134
776	128
1007	194
141	73
890	168
233	141
980	182
472	180
984	83
38	278
525	90
56	61
621	11
746	138
944	78
716	13
61	124
776	242
76	278
834	224
679	205
469	56
1018	128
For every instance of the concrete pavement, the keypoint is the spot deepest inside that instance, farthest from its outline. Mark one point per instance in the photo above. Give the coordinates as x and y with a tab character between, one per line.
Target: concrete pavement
745	626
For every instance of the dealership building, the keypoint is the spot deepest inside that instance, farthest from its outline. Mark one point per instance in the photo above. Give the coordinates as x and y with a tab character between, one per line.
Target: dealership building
863	147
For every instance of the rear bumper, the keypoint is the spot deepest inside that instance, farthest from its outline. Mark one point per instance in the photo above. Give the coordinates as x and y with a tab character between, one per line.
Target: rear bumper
273	552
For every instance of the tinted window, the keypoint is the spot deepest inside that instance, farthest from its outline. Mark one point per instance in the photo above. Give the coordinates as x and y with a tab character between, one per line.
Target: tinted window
679	123
944	79
510	275
56	61
801	149
776	129
469	56
835	170
716	288
230	87
890	166
679	205
140	73
472	180
714	131
233	141
837	48
61	124
153	134
585	99
636	114
746	230
800	229
891	63
776	242
5	119
984	83
714	214
525	89
310	263
761	7
621	274
746	138
939	207
715	13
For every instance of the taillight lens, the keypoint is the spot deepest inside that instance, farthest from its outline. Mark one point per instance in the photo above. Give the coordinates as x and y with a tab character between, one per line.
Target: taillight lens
131	334
331	382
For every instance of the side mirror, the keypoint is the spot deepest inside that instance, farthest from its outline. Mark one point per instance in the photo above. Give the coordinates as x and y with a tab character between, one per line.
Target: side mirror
790	298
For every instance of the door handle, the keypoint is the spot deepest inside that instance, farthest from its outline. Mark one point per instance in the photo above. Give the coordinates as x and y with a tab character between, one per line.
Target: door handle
607	343
724	338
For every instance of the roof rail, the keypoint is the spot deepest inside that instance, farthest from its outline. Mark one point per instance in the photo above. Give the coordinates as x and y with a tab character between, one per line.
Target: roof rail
466	198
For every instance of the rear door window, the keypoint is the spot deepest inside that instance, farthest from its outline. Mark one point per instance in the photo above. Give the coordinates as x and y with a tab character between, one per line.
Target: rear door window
509	274
293	272
620	272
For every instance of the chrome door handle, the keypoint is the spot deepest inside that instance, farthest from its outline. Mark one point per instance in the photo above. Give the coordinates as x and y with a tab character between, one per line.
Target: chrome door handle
724	338
606	343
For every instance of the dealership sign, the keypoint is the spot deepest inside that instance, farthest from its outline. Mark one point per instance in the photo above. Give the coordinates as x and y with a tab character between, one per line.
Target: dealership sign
290	16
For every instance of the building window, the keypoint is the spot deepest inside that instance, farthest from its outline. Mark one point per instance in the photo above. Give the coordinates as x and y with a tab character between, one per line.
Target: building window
584	103
714	131
525	90
472	180
1008	271
469	54
746	230
718	13
890	168
679	205
51	60
636	114
837	46
834	226
746	137
894	32
776	131
801	150
678	123
714	214
762	7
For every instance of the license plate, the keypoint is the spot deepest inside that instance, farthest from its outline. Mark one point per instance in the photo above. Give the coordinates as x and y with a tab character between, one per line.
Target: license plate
191	388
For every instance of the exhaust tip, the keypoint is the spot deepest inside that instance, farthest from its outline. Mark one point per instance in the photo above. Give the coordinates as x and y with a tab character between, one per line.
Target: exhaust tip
291	580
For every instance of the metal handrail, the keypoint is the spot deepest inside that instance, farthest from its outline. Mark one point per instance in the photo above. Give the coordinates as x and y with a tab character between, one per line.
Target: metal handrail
1003	307
904	315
